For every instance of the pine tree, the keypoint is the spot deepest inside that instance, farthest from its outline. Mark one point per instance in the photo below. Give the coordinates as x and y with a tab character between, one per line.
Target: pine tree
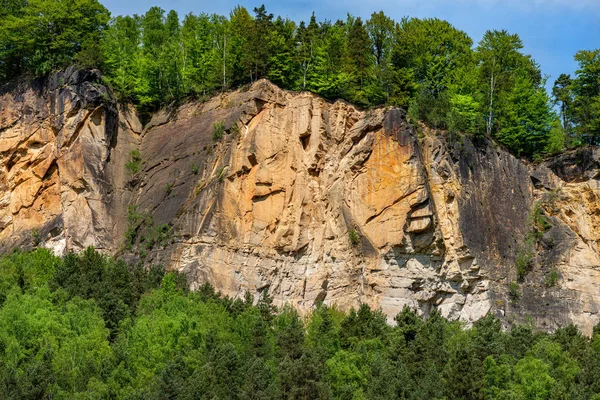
240	39
307	37
259	39
563	95
586	104
381	31
327	76
283	69
121	48
359	60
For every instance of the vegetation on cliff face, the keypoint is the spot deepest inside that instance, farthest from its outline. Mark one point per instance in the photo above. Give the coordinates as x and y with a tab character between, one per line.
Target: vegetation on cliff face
88	326
427	66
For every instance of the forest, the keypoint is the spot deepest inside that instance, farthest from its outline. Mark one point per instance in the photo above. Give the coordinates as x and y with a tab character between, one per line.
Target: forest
88	326
433	70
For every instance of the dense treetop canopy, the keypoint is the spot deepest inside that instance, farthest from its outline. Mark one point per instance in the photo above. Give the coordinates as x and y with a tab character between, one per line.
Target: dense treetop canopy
90	327
427	66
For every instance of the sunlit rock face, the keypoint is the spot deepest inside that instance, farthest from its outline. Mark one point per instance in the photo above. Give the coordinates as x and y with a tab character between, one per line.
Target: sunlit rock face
313	201
61	162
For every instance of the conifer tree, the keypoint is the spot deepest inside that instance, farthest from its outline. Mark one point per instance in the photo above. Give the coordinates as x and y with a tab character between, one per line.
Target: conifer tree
359	60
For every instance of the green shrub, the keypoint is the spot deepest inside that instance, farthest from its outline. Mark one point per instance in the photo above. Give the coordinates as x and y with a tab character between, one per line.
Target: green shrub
514	291
36	236
134	220
218	131
168	189
195	169
135	161
541	223
354	237
524	262
551	279
155	236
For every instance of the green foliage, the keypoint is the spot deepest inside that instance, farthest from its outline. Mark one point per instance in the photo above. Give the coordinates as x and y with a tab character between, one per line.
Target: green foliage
557	138
551	279
464	114
514	290
168	189
354	236
540	222
134	220
134	163
517	108
39	36
424	65
562	92
525	123
426	56
218	131
586	97
55	350
27	271
143	233
90	326
524	260
112	284
36	236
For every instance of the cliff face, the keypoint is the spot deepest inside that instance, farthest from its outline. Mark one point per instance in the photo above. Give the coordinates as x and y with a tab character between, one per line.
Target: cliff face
263	189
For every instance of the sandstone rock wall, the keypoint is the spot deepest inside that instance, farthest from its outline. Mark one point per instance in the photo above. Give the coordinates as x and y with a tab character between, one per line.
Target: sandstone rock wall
263	189
62	145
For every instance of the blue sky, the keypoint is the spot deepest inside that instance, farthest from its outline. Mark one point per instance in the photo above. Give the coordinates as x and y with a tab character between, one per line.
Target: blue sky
552	30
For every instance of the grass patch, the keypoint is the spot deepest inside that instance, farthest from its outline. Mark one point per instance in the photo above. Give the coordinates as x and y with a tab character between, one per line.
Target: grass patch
134	220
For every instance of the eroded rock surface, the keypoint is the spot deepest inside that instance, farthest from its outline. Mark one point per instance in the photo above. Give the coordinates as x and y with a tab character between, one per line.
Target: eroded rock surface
62	162
266	190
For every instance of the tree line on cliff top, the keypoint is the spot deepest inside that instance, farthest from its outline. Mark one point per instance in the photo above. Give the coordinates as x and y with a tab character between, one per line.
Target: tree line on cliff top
427	66
88	326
